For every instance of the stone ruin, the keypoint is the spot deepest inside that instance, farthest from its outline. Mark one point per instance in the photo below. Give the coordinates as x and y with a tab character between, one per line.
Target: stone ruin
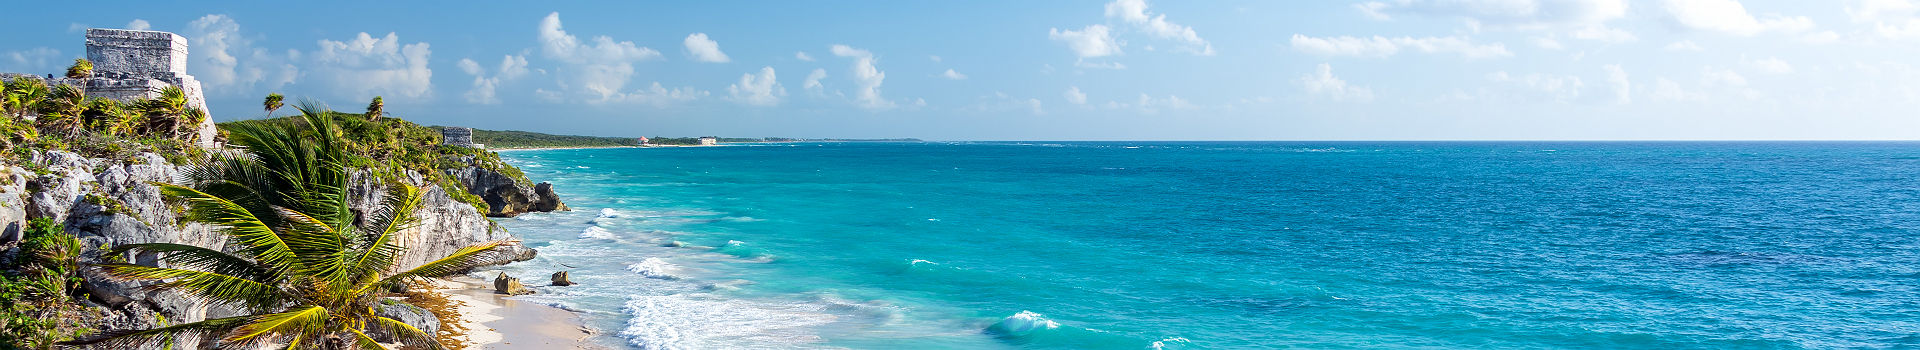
134	64
458	136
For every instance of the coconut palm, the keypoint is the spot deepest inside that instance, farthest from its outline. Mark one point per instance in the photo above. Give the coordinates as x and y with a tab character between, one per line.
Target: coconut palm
61	110
106	116
163	115
376	108
306	273
24	96
81	69
273	103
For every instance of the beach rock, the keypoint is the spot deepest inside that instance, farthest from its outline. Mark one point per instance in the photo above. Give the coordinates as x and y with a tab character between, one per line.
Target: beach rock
510	286
505	196
446	225
13	204
409	314
560	279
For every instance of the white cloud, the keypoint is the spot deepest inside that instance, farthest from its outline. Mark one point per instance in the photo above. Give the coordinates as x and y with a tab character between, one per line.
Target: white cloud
1524	14
1556	88
758	90
935	58
31	61
950	74
658	96
1622	88
803	56
1729	16
1684	45
705	50
1892	19
365	66
1379	46
225	61
597	69
1773	65
1090	42
1150	105
139	24
1322	82
1134	12
1604	34
812	83
1074	96
1668	90
1001	102
485	86
1714	76
866	76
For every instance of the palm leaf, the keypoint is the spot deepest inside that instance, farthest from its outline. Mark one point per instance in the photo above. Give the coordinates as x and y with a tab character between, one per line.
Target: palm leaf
460	260
202	285
406	333
397	214
135	339
197	258
256	238
295	322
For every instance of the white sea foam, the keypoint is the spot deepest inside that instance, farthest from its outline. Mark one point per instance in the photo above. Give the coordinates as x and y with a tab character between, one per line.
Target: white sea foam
1170	343
609	213
595	232
655	268
694	321
1023	323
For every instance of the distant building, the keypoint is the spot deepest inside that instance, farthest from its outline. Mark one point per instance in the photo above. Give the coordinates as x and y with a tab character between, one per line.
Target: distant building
643	140
709	141
457	136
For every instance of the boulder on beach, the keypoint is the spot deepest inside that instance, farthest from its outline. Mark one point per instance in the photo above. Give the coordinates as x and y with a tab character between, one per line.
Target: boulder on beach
560	279
510	286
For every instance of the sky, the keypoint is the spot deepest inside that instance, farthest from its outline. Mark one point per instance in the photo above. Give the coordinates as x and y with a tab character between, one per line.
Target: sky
1053	70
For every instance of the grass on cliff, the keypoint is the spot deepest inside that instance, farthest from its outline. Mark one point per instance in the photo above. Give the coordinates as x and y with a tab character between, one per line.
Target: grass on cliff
390	147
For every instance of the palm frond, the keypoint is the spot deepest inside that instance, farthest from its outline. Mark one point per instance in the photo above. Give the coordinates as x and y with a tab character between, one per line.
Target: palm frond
461	260
397	214
197	258
406	333
365	342
256	238
135	339
295	322
205	286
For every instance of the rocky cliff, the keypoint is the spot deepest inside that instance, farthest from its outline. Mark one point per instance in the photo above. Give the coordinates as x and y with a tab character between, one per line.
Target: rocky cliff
106	203
505	195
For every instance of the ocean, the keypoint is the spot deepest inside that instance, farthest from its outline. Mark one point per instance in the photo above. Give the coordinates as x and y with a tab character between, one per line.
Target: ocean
1229	245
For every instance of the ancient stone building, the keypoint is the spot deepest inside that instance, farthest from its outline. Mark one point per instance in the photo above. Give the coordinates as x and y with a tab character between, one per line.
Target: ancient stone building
134	64
458	136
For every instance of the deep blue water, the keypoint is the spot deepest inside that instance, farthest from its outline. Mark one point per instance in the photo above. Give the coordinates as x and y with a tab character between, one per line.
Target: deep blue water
1130	245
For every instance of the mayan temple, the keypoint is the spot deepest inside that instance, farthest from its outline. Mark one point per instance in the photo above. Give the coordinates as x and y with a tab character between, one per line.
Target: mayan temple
135	64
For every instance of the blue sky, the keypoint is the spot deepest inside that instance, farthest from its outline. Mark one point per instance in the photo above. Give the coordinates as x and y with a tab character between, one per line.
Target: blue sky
1056	70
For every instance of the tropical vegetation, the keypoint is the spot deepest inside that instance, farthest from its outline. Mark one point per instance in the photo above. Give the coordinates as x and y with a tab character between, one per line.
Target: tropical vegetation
308	274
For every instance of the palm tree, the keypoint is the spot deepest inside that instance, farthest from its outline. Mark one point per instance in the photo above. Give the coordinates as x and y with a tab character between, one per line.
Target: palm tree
24	96
308	276
106	116
81	69
60	111
273	103
163	115
375	109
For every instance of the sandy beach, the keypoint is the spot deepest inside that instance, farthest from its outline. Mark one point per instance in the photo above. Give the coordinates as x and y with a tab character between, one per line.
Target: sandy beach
494	321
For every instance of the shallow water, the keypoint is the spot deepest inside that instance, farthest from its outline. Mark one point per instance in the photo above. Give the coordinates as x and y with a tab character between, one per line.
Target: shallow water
1131	245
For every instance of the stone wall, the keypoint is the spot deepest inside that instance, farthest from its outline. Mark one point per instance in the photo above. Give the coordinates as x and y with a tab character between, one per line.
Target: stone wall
136	64
458	136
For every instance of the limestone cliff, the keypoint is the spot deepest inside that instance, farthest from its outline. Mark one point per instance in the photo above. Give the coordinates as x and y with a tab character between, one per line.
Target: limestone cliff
505	195
106	203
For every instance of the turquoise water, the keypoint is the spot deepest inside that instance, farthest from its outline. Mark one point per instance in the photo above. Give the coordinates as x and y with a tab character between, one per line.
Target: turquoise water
1130	245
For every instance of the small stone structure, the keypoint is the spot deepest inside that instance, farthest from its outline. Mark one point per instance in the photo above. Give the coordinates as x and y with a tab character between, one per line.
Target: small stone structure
458	136
709	141
135	64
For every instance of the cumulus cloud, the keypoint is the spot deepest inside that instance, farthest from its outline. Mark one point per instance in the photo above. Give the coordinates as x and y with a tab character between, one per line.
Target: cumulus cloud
866	78
139	24
225	61
705	50
950	74
1730	17
1668	90
597	69
366	66
1622	88
803	56
1094	41
39	59
1892	19
812	83
758	90
485	85
1379	46
1135	13
1074	96
1322	83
